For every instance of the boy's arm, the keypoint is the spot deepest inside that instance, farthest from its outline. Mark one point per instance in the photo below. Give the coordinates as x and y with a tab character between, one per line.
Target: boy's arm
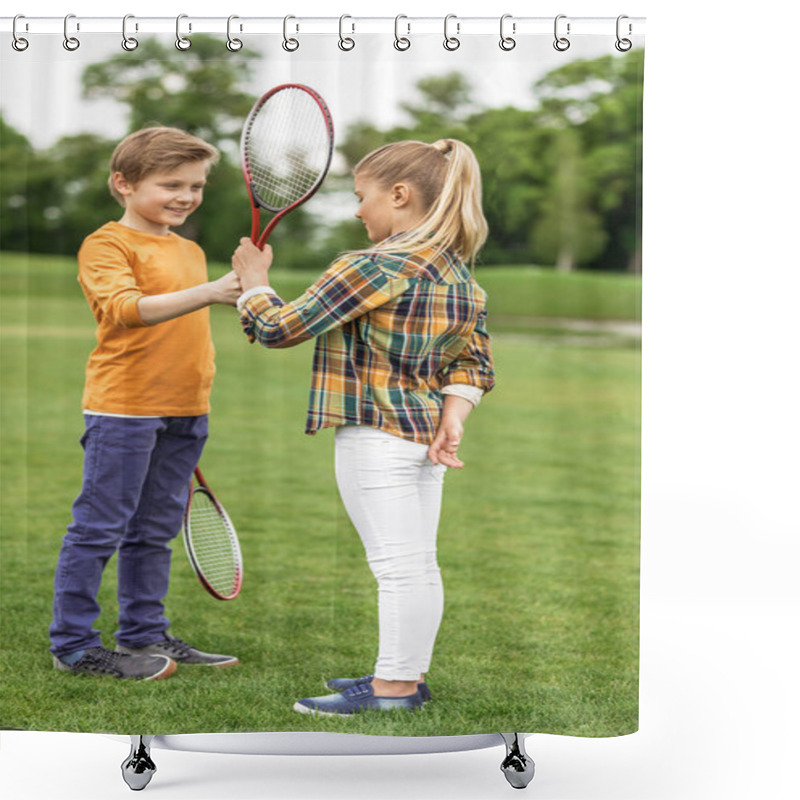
157	308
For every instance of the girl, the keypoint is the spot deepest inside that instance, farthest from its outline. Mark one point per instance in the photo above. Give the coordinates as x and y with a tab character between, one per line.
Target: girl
402	356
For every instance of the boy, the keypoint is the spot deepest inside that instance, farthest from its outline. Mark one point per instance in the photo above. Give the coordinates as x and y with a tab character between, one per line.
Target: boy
145	403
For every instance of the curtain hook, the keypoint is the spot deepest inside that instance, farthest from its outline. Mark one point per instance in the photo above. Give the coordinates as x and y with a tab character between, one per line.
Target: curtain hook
233	44
346	42
181	42
506	42
128	42
18	42
290	44
561	43
401	42
451	42
71	43
623	45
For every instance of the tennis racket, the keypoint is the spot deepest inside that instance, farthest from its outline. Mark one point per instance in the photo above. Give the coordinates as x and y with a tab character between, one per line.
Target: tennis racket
286	149
211	542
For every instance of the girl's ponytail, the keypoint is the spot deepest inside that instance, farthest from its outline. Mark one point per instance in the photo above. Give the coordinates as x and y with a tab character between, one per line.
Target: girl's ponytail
447	176
458	213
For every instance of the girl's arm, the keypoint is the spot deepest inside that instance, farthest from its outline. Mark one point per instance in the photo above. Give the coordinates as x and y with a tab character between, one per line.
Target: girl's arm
157	308
349	288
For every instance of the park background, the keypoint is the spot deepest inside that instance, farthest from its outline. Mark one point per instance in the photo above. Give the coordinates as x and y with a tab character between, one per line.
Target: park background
549	504
718	600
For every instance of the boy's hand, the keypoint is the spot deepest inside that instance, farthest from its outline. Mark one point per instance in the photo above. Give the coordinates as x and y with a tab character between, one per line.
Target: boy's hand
251	264
226	290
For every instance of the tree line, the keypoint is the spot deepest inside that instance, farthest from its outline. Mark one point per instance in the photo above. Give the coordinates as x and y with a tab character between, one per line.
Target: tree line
562	182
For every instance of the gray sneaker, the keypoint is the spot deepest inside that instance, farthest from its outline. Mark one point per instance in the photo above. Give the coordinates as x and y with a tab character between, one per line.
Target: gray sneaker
99	661
181	652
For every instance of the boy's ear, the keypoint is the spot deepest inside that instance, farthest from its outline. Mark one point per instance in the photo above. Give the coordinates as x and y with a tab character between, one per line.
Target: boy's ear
121	184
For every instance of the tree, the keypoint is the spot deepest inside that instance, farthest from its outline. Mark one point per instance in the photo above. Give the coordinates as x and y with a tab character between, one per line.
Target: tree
197	90
568	232
601	100
445	99
29	194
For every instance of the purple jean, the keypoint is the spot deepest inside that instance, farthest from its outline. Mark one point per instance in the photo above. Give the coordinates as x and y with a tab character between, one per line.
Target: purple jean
136	478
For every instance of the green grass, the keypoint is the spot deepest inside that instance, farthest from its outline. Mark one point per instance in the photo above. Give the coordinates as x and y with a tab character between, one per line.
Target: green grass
538	540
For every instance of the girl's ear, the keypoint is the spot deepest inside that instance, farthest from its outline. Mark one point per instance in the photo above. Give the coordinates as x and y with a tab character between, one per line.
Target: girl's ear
401	195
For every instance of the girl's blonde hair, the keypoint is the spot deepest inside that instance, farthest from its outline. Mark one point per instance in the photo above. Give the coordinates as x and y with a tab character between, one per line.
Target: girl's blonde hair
156	149
447	176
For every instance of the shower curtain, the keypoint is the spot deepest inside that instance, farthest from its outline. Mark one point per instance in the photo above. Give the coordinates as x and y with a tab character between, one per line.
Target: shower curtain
538	541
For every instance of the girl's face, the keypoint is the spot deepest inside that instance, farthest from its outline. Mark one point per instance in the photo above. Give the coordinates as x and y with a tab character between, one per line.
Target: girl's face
376	208
163	199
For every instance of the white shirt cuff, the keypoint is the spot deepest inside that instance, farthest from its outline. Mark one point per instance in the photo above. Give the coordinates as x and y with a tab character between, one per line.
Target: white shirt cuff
465	391
245	296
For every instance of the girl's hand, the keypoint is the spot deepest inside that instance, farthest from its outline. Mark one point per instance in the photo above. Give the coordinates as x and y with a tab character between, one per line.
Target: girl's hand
445	444
251	264
444	447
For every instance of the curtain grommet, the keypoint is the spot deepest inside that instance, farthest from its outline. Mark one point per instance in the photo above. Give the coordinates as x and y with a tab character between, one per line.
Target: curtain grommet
507	43
401	43
289	44
71	43
19	43
451	43
346	43
622	44
129	43
233	44
181	42
561	43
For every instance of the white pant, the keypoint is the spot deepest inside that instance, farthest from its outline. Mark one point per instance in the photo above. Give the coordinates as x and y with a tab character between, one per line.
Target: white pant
393	495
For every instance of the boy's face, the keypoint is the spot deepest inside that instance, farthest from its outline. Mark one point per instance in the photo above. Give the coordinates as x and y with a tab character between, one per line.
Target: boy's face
163	200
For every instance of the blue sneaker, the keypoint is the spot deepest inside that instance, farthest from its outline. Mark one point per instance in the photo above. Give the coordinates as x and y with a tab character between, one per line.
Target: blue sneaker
340	684
358	697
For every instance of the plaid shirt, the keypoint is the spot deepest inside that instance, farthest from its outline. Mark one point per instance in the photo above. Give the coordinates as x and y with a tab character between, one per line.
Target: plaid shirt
391	331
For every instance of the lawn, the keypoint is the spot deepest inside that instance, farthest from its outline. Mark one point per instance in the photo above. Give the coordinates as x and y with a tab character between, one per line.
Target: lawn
538	540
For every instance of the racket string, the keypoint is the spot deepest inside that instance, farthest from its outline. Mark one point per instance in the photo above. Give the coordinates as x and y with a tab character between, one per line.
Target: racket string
213	545
287	147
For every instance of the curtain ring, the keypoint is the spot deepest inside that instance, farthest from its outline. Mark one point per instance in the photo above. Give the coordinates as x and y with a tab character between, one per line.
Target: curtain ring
290	44
233	44
451	42
128	42
71	43
18	42
506	42
623	45
181	42
345	42
401	42
561	43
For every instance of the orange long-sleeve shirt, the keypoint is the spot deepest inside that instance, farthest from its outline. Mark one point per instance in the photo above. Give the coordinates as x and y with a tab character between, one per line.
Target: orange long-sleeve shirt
138	369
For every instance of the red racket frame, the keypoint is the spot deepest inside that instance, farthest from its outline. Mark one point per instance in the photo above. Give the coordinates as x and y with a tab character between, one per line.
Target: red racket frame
198	572
255	203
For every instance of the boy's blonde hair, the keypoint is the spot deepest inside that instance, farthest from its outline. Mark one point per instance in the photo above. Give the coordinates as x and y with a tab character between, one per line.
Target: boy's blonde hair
447	176
157	149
